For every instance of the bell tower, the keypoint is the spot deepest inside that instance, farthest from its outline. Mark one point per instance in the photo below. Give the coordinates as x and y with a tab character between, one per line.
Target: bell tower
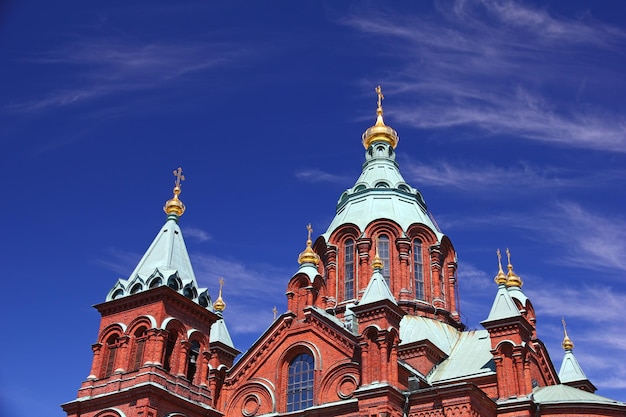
151	357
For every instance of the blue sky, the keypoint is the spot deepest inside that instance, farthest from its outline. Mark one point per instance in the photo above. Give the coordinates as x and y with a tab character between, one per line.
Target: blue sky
511	123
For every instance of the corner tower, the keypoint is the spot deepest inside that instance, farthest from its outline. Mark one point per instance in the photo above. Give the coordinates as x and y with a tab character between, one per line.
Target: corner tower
419	260
151	357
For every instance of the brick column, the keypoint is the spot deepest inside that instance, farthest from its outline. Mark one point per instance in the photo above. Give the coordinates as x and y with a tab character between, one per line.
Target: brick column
96	364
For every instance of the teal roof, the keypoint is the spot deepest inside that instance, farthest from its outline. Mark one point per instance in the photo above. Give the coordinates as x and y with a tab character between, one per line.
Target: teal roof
570	369
165	263
563	394
503	306
219	333
416	328
309	269
377	290
470	357
381	192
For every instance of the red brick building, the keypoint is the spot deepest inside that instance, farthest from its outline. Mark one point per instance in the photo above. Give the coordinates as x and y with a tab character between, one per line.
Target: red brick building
371	329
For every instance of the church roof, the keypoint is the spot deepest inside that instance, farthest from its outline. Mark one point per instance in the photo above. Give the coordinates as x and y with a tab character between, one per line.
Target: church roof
503	306
381	191
219	333
562	394
166	262
377	290
416	328
571	370
470	356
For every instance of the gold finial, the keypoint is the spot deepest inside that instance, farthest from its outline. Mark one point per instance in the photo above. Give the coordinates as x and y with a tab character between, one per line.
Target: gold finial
380	132
308	255
377	263
275	311
512	280
219	304
500	279
174	205
567	343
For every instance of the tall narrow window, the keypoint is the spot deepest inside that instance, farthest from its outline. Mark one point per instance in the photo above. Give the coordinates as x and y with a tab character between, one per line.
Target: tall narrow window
170	343
383	252
111	353
192	359
348	262
418	269
136	355
300	383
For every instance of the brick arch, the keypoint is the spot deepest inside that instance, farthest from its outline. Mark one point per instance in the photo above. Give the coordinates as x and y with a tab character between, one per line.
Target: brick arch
172	346
423	232
119	328
256	397
110	412
145	320
339	382
383	226
282	370
343	232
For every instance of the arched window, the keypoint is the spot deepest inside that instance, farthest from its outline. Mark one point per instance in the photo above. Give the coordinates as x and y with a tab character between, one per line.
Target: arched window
192	359
348	260
136	354
108	364
418	269
383	252
170	343
300	383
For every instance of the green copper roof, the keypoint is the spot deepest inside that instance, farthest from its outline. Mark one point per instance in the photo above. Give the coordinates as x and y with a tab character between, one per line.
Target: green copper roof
219	333
416	328
570	369
560	394
471	356
381	192
503	306
166	262
377	290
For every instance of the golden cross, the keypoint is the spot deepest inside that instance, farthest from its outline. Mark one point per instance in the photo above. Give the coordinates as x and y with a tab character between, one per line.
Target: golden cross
221	281
564	326
508	255
499	256
178	173
310	229
274	310
379	91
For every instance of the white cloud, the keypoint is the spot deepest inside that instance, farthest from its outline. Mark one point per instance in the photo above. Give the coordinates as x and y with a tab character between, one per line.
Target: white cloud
498	67
106	66
197	234
316	175
250	291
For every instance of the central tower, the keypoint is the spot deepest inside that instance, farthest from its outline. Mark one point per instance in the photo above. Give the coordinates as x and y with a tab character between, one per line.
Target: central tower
419	261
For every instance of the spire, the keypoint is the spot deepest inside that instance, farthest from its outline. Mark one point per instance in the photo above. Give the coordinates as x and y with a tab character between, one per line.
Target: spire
166	262
567	343
219	305
380	132
571	372
512	280
377	263
308	255
500	279
173	206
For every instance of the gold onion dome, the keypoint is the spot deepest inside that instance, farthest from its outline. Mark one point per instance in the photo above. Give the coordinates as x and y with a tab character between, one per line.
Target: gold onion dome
308	255
174	205
512	279
219	304
567	342
380	132
500	279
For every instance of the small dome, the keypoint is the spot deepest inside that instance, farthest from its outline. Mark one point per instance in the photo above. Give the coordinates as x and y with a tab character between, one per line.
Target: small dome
380	132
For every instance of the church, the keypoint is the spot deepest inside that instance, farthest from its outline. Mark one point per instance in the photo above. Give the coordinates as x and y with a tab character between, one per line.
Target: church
372	327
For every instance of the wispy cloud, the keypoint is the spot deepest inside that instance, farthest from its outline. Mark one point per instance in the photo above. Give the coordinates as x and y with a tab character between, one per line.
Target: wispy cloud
110	65
252	288
316	175
498	67
197	234
489	178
